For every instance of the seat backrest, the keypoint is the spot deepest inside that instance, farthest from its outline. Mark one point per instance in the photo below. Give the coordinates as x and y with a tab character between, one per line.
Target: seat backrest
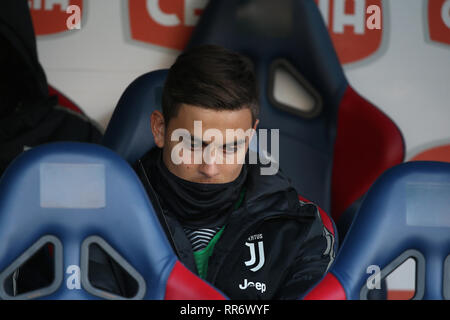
73	195
404	215
129	133
318	150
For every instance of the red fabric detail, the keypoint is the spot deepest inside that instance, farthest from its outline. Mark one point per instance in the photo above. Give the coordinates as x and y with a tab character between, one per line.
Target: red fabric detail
367	143
184	285
400	294
63	100
327	222
328	289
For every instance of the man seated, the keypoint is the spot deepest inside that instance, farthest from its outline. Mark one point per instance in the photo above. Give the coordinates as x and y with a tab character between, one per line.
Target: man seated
234	224
242	230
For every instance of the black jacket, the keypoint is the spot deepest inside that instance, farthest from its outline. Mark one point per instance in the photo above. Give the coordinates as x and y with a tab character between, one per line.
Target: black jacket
273	247
28	115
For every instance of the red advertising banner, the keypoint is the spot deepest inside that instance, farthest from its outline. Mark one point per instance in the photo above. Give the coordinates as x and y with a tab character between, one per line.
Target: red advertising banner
53	16
439	20
167	23
439	153
355	27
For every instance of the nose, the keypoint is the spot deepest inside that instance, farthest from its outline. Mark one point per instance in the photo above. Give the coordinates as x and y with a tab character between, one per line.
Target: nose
209	166
209	170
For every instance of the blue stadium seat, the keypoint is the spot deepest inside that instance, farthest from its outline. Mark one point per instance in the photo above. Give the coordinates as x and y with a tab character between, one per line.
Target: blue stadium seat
333	153
404	215
129	133
74	195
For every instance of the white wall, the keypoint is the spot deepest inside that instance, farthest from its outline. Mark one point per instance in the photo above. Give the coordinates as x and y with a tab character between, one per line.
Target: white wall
94	65
409	79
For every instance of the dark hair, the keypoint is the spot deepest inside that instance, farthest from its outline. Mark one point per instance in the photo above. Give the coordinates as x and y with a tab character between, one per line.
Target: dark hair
211	77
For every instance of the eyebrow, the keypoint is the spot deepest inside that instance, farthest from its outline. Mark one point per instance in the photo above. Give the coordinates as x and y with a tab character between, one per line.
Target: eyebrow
234	143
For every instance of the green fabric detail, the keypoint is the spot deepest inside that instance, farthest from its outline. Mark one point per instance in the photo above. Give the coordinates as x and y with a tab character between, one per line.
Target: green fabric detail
241	198
202	256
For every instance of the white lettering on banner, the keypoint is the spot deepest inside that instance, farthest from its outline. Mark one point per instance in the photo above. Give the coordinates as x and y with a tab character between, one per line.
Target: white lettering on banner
445	13
73	281
35	4
324	7
74	21
171	19
49	4
164	19
342	19
374	281
190	6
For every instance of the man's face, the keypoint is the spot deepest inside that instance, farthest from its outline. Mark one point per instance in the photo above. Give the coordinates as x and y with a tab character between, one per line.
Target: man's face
211	143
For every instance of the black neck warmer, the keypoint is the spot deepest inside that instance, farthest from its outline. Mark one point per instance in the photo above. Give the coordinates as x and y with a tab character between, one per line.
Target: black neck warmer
195	205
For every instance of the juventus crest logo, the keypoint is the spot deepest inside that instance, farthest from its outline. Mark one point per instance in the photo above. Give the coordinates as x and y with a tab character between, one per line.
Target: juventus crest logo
257	264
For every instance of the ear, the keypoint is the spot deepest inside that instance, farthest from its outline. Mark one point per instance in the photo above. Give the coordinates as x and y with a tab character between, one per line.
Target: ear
256	124
158	127
254	128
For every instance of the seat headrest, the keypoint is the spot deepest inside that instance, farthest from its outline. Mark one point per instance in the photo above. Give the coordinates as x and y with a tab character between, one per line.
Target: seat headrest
406	213
286	36
70	192
129	132
266	30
